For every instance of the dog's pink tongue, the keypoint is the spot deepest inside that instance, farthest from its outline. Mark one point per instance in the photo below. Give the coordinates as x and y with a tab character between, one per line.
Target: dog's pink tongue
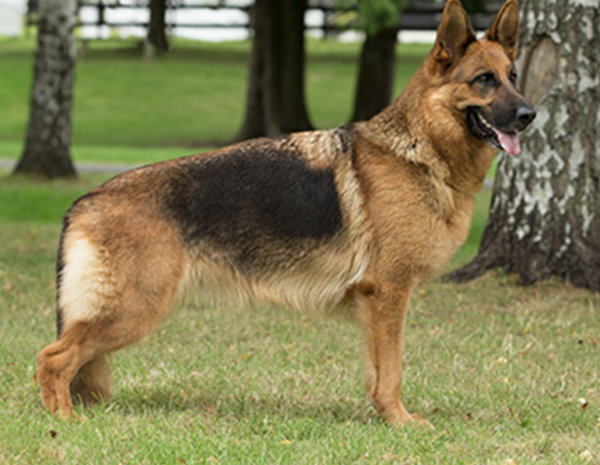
509	142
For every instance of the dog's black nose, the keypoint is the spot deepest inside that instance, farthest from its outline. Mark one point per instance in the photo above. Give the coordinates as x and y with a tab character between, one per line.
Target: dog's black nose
525	115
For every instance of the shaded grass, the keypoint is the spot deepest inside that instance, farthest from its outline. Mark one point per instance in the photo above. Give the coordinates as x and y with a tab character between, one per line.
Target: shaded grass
192	96
115	155
503	372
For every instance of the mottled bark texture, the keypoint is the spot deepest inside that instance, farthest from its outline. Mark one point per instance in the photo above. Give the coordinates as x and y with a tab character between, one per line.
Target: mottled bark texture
275	101
47	144
545	209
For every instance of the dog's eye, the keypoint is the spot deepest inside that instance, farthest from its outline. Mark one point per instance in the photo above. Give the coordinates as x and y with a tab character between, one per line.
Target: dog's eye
513	76
486	78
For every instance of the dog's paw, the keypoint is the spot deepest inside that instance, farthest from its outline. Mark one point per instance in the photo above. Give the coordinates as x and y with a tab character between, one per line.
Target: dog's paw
419	421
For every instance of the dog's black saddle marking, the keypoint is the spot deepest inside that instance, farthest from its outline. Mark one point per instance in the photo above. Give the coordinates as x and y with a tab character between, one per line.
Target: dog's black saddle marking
254	195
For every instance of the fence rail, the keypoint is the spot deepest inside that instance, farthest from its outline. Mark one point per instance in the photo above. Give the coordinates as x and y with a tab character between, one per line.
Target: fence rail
419	16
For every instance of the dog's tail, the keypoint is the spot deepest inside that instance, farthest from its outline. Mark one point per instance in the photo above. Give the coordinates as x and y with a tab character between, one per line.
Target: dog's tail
60	265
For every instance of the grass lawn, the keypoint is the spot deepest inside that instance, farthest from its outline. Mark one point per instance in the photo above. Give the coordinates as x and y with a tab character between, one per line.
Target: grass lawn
506	374
190	97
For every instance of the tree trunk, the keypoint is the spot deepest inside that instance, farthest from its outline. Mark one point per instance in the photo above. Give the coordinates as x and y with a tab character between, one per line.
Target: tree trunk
47	144
275	101
259	119
157	36
375	82
545	209
293	115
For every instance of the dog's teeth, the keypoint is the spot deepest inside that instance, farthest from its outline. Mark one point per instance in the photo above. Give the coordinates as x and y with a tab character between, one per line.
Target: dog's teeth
485	123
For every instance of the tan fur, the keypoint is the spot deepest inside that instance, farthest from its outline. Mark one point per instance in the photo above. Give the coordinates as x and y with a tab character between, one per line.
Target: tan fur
404	182
86	280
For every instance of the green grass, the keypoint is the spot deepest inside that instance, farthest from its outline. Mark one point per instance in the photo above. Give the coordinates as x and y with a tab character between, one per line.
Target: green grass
506	374
503	372
190	97
108	154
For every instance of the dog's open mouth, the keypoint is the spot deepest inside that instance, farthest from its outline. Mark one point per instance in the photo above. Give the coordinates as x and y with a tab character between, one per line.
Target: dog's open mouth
480	127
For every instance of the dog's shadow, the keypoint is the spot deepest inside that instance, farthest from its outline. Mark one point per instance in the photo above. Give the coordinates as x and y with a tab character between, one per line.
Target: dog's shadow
240	405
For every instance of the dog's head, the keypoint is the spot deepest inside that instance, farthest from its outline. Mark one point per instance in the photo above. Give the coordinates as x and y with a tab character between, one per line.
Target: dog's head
481	76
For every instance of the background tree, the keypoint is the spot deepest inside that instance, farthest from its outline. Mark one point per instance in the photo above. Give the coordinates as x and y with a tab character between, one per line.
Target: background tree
290	50
275	101
375	82
477	6
545	209
47	143
157	35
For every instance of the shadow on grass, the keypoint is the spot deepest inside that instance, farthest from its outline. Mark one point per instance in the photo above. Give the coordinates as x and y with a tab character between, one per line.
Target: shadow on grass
243	405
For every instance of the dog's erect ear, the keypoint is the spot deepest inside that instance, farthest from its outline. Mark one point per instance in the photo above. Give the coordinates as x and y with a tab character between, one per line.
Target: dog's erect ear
505	28
454	34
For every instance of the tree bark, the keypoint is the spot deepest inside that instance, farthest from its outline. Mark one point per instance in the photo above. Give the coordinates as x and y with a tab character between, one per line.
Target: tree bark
293	115
375	82
47	144
258	117
545	210
157	37
275	101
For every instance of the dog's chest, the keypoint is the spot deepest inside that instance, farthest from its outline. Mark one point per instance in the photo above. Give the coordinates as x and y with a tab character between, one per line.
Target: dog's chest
418	223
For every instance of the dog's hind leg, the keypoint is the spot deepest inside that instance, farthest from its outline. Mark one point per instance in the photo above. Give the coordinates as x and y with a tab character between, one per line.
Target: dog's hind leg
57	364
92	382
108	299
73	365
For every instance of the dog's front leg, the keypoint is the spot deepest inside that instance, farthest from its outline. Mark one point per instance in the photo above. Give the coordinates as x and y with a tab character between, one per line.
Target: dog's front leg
385	307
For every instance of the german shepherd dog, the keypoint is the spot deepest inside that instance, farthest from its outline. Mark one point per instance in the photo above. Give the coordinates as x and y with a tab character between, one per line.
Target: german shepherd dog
355	215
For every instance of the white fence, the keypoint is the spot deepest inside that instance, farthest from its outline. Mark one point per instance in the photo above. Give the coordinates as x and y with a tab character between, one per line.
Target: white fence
11	17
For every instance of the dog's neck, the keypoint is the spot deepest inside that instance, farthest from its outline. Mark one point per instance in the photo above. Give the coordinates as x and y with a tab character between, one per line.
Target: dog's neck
410	127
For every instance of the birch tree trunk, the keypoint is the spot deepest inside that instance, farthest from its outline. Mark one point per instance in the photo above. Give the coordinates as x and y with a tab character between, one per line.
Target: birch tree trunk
545	210
48	140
